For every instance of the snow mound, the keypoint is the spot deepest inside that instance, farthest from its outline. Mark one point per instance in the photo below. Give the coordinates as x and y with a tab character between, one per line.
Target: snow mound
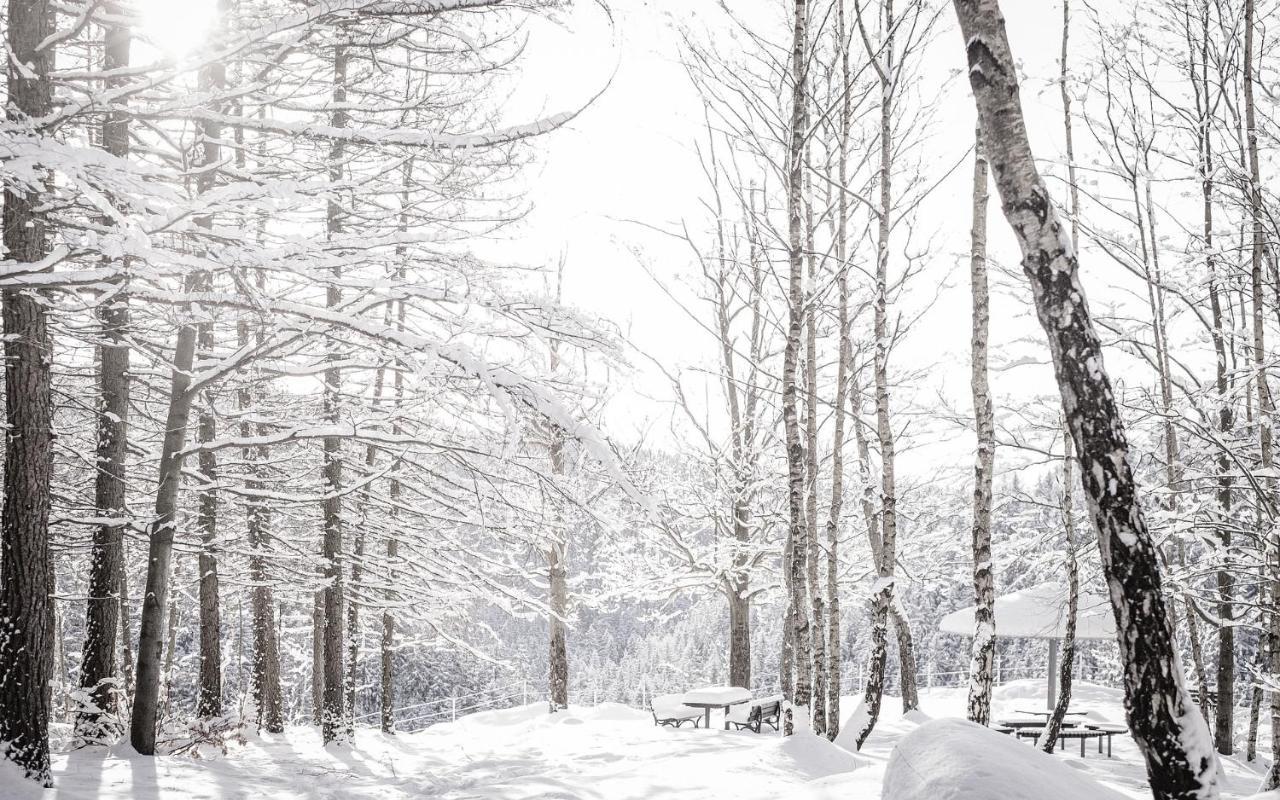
14	785
816	757
954	759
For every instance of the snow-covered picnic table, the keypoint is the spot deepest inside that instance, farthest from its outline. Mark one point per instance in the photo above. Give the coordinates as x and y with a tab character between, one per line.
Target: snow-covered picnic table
709	697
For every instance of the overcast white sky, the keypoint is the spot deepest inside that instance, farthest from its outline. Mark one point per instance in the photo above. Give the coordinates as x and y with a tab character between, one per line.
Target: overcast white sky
630	157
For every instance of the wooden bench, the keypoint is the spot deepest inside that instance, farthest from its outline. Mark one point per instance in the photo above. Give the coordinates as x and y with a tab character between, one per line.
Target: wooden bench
669	712
767	711
1210	698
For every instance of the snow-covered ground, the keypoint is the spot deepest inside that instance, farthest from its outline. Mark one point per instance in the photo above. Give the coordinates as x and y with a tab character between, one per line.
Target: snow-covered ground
606	752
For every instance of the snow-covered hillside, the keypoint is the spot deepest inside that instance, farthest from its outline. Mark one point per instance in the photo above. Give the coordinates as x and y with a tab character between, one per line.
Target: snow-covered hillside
613	752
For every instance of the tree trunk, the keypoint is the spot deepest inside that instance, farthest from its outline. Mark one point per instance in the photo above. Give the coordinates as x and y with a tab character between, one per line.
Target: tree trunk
883	592
1224	578
387	694
387	645
1255	697
1049	737
210	700
908	682
844	369
332	720
1167	727
266	646
267	695
160	549
213	80
739	633
317	654
984	596
816	596
353	623
797	618
25	568
171	645
98	674
1266	404
557	570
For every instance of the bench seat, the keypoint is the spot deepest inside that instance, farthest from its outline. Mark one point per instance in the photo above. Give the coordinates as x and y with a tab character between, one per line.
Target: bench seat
669	711
755	715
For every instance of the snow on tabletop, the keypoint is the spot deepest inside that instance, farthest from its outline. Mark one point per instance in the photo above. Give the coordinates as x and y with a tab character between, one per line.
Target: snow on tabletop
672	705
954	759
718	695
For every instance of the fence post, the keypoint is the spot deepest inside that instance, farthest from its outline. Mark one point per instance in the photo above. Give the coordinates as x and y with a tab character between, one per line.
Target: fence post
454	710
524	692
595	695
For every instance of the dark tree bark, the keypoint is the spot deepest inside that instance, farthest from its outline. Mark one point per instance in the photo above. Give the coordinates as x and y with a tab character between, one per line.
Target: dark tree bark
332	721
142	724
1167	727
387	645
1266	403
209	703
103	618
317	654
266	646
26	608
265	666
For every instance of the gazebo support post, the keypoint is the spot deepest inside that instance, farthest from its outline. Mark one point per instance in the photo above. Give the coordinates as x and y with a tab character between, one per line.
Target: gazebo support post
1053	673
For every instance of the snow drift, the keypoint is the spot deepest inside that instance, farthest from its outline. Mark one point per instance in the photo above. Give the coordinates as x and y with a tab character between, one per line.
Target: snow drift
954	759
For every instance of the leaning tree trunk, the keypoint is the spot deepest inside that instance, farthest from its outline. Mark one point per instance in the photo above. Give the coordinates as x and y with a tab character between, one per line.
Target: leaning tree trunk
797	620
1168	728
26	610
98	672
155	603
982	662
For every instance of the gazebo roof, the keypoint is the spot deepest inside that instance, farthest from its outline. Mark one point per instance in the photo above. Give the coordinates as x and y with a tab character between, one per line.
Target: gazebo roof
1039	612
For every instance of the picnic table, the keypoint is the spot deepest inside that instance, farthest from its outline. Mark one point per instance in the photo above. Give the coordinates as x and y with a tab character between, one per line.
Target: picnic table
1018	724
709	697
1047	714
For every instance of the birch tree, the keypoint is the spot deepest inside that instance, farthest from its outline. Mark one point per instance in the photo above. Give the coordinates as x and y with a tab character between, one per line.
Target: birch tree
1168	728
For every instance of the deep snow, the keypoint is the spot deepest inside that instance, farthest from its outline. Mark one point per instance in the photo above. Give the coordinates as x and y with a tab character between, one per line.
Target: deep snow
606	752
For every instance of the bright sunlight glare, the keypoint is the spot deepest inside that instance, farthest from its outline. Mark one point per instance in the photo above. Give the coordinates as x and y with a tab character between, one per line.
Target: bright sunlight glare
177	26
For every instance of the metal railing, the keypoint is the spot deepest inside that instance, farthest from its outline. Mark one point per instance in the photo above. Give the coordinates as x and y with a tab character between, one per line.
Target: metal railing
419	716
